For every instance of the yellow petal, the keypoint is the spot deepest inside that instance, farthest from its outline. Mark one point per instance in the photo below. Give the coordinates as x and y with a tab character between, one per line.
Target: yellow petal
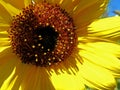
106	27
7	53
69	5
5	16
27	2
87	11
9	70
30	79
96	77
12	83
20	72
4	27
109	47
65	81
15	3
36	79
103	54
7	82
2	48
7	65
4	42
3	34
11	9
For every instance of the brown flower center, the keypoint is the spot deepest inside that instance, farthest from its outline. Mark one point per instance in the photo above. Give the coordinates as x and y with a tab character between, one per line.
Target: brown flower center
43	34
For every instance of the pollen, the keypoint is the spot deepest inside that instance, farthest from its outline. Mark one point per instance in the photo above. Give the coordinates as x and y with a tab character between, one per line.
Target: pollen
42	34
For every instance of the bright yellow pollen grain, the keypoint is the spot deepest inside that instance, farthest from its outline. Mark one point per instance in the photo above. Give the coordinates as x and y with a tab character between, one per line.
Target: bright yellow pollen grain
45	53
36	55
53	58
39	44
36	59
33	46
25	40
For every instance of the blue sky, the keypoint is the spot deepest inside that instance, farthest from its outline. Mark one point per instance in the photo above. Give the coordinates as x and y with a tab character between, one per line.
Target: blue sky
113	5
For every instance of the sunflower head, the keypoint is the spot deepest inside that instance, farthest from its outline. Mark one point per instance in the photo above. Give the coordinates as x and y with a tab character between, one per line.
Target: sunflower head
42	34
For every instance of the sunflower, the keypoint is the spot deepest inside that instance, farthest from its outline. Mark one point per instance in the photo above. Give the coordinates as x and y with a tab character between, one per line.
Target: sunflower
53	45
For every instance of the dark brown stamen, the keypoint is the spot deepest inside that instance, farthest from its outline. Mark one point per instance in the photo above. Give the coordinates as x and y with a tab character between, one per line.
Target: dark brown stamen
43	34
